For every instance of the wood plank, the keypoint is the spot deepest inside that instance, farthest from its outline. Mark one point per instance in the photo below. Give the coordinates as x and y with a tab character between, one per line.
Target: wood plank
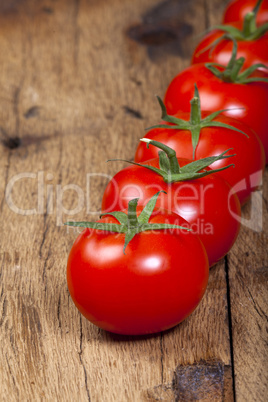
247	264
66	112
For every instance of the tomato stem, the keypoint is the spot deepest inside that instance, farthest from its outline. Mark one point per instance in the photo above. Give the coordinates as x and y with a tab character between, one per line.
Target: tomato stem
195	124
191	171
249	32
257	7
132	213
232	72
195	114
249	25
130	224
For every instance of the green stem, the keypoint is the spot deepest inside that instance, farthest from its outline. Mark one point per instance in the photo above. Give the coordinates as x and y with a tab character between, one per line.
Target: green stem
257	7
231	72
132	213
174	166
130	224
249	25
195	114
236	69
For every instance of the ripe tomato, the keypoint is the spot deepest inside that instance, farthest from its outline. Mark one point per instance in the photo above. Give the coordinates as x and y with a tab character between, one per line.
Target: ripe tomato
207	203
249	157
247	102
236	10
156	284
254	51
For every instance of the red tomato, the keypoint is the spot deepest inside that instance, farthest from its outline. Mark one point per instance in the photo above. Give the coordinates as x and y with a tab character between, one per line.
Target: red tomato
207	203
247	174
248	101
237	9
254	51
156	284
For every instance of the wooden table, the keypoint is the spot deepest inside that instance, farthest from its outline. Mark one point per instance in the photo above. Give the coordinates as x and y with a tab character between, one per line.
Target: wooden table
77	86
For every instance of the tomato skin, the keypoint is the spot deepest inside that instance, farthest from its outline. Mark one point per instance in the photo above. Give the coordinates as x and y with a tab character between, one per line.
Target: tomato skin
154	286
249	100
248	170
254	51
203	203
237	9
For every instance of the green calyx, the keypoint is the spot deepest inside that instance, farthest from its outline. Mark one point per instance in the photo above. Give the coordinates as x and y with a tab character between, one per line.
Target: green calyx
232	72
169	168
129	223
195	124
250	31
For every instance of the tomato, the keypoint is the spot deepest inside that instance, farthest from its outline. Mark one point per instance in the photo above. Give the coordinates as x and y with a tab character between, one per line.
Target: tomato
248	102
207	203
254	51
249	157
236	10
156	284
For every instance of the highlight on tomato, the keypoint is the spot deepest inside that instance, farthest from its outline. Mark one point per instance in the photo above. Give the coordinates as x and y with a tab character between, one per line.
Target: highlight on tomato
236	10
137	271
194	192
252	42
242	95
197	135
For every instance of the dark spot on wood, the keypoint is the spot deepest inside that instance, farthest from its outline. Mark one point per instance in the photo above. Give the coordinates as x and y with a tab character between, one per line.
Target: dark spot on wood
109	116
133	112
137	82
203	380
10	6
169	10
11	142
32	112
164	28
48	10
152	35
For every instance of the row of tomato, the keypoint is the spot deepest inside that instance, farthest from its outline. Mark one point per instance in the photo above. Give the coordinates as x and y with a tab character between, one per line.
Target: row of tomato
175	210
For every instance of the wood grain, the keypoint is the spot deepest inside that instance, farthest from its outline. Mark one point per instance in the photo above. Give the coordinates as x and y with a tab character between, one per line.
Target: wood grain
77	86
247	265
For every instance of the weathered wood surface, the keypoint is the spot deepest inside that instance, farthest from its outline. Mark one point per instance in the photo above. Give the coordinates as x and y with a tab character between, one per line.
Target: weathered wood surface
77	86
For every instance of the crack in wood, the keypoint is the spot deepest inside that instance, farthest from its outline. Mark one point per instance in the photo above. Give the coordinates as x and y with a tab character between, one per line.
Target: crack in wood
44	274
258	309
58	311
43	238
76	32
12	377
80	358
4	312
226	267
162	357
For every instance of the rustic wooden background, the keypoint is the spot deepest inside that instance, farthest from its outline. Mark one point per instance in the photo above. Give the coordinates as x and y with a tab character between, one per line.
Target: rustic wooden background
77	86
